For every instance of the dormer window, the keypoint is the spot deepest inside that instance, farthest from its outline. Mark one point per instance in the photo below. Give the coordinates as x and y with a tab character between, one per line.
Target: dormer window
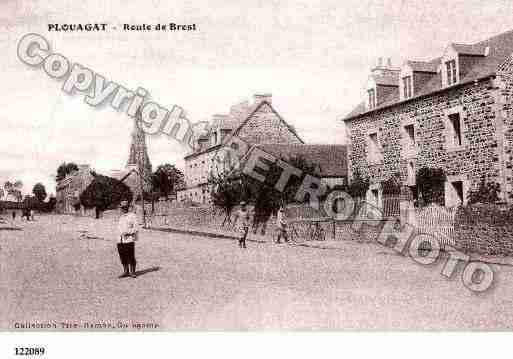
372	98
451	72
407	87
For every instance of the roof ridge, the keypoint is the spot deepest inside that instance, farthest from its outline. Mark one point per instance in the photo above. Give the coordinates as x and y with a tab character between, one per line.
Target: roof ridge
494	37
248	117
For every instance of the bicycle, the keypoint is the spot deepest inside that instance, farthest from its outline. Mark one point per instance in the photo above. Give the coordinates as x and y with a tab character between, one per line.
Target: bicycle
317	233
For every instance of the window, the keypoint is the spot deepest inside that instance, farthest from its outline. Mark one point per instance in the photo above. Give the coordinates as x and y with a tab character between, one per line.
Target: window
372	98
454	133
374	149
409	132
410	180
458	190
214	138
407	87
451	72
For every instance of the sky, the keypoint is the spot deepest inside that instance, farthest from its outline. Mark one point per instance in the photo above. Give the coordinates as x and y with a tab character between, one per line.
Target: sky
313	56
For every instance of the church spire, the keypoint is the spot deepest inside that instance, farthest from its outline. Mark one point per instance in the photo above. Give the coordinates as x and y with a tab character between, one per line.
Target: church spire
138	156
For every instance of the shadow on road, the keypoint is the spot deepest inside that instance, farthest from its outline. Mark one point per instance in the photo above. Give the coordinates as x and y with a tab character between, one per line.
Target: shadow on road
10	229
148	270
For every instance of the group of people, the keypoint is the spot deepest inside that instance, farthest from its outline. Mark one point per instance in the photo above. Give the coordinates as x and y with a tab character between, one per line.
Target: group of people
243	217
26	212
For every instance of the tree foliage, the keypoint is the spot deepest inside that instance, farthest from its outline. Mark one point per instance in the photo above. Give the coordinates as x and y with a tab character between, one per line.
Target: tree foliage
167	180
48	206
105	193
358	185
14	189
65	169
430	185
31	202
227	192
39	191
485	193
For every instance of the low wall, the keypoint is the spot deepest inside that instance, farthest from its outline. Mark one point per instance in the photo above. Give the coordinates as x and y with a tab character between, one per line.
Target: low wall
484	229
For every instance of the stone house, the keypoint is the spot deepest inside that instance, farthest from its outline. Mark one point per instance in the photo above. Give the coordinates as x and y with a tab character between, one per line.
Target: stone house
258	124
453	112
253	123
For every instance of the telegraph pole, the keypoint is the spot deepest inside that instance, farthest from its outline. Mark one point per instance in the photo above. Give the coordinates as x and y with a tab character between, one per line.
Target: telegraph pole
140	167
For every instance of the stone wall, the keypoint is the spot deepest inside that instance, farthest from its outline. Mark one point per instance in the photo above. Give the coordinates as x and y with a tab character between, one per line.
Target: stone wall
505	98
479	155
484	229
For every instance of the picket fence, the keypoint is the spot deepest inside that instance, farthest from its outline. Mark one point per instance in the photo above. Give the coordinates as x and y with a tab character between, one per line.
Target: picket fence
437	221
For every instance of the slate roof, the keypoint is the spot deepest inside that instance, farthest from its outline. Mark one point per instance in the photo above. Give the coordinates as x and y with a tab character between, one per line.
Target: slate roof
255	109
466	49
425	66
500	48
386	80
330	159
234	122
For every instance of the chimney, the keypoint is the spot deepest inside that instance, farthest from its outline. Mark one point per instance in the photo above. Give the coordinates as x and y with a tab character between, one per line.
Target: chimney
258	98
383	69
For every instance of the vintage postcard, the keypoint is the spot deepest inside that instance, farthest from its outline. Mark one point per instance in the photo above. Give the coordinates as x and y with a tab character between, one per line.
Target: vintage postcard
255	166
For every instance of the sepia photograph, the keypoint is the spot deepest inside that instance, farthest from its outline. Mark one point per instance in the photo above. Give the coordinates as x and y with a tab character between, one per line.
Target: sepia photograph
265	167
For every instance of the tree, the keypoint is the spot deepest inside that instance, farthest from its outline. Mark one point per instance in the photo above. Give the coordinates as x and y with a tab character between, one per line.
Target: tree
48	206
167	179
8	187
227	191
486	192
64	169
104	193
31	202
14	189
358	186
39	191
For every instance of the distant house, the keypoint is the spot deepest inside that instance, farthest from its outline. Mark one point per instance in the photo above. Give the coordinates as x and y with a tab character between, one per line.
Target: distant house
330	160
69	188
453	112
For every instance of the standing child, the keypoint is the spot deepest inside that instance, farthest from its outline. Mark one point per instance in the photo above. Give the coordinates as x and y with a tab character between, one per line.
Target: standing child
243	216
128	230
281	223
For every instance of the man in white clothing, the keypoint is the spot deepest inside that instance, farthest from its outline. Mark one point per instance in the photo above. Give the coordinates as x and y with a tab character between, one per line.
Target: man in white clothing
128	228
